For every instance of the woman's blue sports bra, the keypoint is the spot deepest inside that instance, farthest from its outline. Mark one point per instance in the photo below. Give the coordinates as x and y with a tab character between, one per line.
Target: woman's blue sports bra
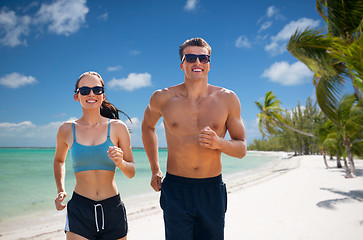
94	157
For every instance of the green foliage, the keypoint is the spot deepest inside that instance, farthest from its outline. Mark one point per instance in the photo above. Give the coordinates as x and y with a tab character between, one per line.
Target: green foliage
291	130
335	55
331	137
272	143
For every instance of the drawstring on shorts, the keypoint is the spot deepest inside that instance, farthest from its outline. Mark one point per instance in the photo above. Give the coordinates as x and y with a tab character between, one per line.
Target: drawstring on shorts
103	217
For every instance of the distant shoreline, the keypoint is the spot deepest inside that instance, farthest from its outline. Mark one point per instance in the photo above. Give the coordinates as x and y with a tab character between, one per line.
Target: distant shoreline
161	148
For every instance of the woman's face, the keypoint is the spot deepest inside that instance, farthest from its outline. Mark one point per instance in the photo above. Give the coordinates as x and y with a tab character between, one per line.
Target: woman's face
91	100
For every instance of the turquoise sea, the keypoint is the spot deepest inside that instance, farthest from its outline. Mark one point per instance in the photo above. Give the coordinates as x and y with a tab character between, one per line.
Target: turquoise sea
27	182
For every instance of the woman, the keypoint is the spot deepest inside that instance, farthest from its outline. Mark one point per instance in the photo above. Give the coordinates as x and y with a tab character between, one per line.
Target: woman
98	145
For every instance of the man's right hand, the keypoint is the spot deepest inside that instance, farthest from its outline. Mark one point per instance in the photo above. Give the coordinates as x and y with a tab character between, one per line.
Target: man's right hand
156	181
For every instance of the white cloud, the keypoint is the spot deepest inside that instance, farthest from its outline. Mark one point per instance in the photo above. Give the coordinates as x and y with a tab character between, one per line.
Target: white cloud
274	48
132	82
103	17
135	52
272	11
114	68
243	42
191	5
265	26
13	28
135	124
291	27
15	80
63	16
286	74
12	126
278	42
28	134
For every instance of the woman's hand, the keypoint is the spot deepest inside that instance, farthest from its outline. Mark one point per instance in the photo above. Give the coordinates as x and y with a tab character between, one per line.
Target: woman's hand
117	155
58	201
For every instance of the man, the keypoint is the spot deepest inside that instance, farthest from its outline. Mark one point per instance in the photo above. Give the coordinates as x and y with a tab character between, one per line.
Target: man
196	118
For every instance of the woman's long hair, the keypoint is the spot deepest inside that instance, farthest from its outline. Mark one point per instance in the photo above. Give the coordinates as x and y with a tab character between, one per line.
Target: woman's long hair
107	109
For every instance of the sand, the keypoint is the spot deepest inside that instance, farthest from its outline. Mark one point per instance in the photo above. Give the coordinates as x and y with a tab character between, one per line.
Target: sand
296	199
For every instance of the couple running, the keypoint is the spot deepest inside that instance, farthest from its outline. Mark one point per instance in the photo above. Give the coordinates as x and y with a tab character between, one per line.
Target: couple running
196	117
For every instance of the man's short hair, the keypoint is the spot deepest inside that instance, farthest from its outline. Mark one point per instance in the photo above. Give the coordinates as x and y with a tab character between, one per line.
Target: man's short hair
199	42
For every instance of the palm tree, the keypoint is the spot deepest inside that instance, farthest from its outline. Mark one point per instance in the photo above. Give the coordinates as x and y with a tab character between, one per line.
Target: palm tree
330	139
270	118
322	136
348	118
336	55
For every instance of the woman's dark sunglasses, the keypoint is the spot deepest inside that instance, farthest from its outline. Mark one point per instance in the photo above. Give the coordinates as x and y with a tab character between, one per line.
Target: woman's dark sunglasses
191	58
86	90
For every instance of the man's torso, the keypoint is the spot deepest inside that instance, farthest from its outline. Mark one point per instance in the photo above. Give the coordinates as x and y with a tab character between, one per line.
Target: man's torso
184	118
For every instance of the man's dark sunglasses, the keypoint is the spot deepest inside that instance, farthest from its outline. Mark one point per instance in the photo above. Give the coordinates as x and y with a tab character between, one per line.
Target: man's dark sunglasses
86	90
191	58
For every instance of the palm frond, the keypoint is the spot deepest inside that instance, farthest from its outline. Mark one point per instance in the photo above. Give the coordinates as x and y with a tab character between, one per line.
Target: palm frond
352	55
310	47
328	95
321	8
343	17
259	105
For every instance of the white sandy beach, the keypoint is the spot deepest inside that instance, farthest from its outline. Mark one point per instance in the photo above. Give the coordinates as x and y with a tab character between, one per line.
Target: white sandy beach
298	199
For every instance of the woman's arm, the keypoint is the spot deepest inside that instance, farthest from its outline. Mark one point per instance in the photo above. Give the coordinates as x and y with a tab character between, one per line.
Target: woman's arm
121	154
59	164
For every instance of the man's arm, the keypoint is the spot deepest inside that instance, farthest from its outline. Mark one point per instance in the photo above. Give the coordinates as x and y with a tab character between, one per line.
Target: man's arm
236	147
150	141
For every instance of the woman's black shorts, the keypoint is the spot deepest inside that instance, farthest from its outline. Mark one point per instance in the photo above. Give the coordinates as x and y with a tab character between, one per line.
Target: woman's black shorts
95	220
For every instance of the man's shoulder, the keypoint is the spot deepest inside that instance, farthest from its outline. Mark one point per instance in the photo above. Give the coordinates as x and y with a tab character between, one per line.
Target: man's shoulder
162	96
221	91
166	92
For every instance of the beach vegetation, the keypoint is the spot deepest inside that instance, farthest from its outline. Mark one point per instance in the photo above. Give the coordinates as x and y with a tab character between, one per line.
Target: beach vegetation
328	142
348	121
294	130
271	116
335	55
340	137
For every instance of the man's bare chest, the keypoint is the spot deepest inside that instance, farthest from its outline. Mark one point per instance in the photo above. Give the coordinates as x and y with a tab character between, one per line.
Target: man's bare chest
189	117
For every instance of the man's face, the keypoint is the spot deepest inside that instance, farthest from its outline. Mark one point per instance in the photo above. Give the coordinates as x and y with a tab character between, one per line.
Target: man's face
196	70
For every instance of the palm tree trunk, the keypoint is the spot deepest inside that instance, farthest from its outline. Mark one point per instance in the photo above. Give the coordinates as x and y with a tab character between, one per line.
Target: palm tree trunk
339	164
346	168
325	161
293	129
350	157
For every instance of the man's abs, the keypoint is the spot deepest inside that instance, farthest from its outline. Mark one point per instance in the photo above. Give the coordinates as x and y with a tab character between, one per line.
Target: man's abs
193	161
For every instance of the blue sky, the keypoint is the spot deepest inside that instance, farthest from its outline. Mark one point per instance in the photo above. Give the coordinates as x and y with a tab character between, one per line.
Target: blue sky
46	45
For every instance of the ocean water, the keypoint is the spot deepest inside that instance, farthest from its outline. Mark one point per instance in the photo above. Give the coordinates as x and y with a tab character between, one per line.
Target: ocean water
27	182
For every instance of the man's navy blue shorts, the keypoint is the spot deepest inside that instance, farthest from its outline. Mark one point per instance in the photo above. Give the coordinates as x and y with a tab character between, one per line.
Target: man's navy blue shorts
95	220
193	208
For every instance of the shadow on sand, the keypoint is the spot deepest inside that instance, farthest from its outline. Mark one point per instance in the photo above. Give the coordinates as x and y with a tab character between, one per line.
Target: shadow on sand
347	197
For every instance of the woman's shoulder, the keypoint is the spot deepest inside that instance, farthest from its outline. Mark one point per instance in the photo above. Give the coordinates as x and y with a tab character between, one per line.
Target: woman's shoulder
119	130
117	123
65	129
66	126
